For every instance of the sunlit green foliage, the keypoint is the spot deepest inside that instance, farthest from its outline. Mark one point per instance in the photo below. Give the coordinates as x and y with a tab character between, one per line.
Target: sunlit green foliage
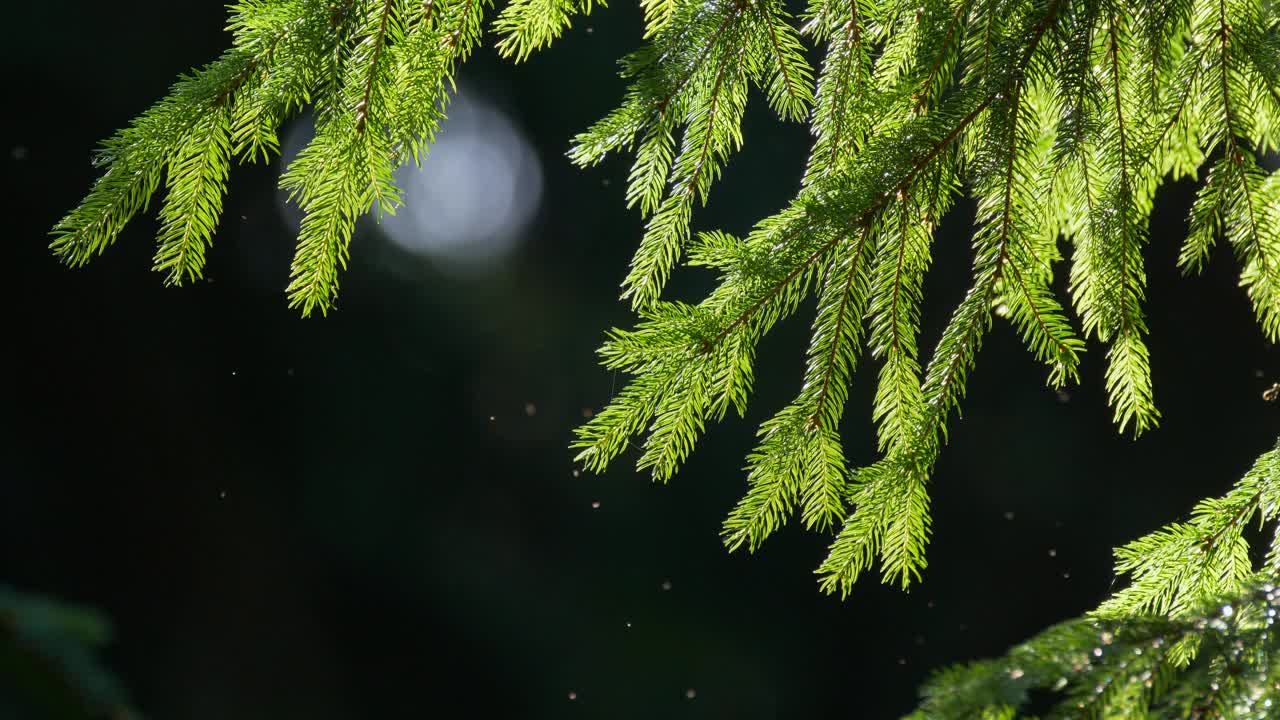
1193	636
377	74
1057	119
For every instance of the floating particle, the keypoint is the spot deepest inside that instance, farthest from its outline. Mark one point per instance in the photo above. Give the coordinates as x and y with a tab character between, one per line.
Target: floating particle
628	624
577	473
902	661
666	585
492	418
530	409
1064	397
1008	515
19	152
1053	552
222	495
690	694
289	372
588	412
573	695
595	504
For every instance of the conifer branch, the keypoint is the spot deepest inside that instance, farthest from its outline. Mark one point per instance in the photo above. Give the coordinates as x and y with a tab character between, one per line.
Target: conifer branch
378	40
935	68
1191	636
842	85
847	329
1060	118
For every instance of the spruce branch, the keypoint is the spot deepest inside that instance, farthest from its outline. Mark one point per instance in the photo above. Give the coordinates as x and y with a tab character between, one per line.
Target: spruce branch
1192	636
1057	119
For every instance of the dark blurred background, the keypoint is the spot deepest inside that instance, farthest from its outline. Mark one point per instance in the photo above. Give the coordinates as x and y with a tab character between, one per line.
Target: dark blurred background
375	514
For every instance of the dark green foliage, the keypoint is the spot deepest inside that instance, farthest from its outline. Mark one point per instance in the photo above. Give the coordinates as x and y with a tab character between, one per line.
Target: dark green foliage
49	663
